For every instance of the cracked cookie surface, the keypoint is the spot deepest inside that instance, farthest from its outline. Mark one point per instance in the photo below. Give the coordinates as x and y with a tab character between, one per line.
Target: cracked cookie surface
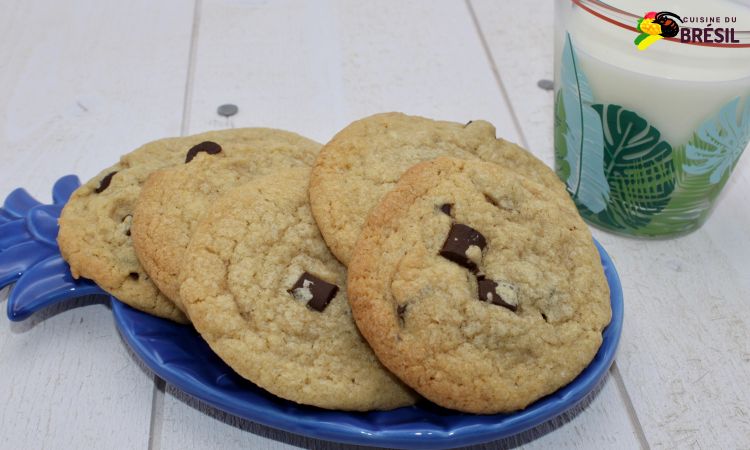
251	284
95	237
173	199
365	160
513	309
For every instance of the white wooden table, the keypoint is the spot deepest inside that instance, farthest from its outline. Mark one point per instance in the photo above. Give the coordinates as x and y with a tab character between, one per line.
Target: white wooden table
84	81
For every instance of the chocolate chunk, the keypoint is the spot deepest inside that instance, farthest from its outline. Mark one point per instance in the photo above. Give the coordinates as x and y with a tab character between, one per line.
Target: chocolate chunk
446	208
134	276
209	147
104	184
501	294
457	246
316	292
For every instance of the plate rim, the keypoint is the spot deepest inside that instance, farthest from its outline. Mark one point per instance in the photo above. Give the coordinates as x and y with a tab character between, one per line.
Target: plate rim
508	424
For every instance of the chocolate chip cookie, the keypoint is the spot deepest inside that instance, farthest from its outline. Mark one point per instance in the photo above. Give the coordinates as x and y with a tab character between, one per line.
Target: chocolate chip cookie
478	287
264	291
95	237
173	199
365	160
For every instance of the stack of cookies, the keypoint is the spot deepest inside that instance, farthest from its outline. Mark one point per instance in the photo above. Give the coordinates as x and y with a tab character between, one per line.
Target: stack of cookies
405	258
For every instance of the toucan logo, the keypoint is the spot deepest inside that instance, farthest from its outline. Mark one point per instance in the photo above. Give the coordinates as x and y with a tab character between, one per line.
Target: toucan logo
655	26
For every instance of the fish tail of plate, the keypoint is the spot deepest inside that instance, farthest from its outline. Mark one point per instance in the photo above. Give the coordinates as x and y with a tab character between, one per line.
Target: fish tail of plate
29	256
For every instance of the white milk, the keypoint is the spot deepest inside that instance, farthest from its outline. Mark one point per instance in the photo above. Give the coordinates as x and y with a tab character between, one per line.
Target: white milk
674	86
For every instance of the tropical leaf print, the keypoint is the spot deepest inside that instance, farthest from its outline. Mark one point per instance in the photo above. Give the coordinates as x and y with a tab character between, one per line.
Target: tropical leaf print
638	167
702	169
623	175
582	136
561	149
720	142
690	202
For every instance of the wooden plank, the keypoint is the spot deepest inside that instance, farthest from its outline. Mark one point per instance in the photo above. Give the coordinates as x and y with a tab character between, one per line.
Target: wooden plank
80	83
685	352
191	424
522	58
315	68
599	421
70	382
684	355
201	426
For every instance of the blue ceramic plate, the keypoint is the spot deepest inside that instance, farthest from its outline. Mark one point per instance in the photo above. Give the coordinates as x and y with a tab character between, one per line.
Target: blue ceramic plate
177	353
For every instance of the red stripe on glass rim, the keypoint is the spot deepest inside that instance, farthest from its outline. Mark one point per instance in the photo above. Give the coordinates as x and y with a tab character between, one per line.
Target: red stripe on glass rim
634	29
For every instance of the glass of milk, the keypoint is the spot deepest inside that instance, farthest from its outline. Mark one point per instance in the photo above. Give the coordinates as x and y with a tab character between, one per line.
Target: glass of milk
652	108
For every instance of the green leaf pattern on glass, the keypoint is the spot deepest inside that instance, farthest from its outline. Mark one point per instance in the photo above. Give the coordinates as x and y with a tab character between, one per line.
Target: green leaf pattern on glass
582	134
724	137
620	172
561	147
638	166
690	201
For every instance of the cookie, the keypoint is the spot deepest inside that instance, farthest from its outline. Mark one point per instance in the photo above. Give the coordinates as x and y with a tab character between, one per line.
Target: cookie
479	288
95	237
264	291
365	160
173	199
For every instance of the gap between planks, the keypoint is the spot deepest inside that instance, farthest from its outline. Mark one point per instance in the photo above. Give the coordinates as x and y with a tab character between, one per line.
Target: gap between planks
157	399
191	68
496	73
157	414
634	420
